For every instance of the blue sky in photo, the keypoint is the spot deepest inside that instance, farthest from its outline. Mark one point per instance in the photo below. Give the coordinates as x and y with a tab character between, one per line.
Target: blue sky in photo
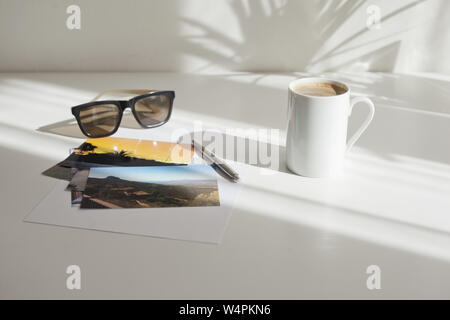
158	173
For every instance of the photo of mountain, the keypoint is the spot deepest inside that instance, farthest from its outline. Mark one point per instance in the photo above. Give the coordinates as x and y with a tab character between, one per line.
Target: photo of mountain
150	187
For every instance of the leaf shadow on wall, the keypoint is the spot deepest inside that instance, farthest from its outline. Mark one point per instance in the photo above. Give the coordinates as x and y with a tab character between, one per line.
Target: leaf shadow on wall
276	38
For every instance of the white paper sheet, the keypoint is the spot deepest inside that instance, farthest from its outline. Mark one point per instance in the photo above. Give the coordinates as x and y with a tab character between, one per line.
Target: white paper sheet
203	224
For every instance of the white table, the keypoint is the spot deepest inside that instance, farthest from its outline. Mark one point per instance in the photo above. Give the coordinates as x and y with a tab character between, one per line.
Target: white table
289	236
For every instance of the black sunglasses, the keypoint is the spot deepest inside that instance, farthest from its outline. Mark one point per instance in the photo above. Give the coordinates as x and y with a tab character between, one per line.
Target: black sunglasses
102	118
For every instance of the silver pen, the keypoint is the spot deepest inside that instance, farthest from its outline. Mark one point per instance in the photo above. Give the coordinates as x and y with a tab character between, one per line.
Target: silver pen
218	164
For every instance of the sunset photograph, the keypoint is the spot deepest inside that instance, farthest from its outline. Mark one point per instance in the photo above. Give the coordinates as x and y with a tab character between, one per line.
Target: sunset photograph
128	152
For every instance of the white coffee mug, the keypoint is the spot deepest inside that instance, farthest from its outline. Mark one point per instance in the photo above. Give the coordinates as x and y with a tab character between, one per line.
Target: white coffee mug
317	129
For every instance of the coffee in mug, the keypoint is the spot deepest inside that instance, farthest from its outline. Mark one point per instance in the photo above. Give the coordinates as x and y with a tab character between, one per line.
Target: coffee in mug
319	89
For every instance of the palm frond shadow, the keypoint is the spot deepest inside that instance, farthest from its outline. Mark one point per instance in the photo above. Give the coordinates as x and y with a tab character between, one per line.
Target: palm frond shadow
359	33
268	50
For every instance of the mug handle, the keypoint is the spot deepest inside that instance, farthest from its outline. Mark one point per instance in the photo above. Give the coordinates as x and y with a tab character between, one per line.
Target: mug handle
366	122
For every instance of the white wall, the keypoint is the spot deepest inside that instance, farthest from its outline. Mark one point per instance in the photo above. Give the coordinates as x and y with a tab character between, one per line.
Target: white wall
218	35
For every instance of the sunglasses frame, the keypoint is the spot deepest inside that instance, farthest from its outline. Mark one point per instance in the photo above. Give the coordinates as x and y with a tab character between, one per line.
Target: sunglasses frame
122	105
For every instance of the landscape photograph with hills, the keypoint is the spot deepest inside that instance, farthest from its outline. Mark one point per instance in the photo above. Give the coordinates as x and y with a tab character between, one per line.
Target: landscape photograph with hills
150	187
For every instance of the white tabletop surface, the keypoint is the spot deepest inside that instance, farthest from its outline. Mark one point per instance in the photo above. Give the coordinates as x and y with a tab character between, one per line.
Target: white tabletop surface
288	237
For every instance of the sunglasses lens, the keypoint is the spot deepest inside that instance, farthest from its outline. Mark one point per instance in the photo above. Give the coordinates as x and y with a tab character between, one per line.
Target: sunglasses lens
100	120
153	110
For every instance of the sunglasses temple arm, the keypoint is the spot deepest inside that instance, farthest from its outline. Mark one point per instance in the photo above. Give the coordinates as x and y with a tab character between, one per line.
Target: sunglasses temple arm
121	91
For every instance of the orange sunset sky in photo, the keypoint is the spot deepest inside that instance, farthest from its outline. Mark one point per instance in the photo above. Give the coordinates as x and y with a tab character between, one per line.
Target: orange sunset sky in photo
143	149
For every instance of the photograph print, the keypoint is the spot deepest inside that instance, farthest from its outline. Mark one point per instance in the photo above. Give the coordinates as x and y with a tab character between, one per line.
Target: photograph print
111	151
150	187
